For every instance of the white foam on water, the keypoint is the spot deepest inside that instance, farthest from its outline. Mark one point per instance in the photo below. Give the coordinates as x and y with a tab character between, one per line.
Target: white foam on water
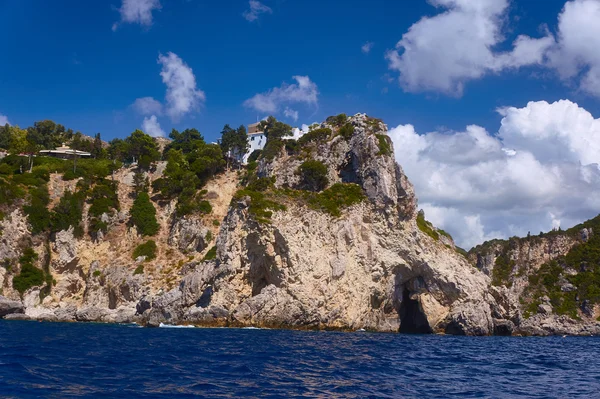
162	325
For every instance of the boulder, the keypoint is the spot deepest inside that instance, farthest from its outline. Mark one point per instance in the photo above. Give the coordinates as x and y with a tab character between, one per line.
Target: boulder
8	306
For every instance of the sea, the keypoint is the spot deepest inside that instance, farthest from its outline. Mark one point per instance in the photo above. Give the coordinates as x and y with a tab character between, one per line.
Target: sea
74	360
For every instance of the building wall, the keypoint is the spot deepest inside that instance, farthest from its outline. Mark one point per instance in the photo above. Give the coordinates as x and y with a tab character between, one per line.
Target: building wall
257	142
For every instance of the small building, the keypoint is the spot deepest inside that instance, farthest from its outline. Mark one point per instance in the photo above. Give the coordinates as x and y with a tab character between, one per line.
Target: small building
65	152
256	139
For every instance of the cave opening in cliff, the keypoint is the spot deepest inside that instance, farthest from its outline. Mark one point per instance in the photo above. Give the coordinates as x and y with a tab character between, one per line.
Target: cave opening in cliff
412	318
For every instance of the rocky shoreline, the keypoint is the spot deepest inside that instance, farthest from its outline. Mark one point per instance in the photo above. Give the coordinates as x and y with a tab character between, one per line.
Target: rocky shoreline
286	258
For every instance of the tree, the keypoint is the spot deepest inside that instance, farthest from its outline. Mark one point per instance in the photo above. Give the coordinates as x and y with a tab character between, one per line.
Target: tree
143	148
47	134
117	150
275	129
186	141
234	142
314	175
97	149
143	215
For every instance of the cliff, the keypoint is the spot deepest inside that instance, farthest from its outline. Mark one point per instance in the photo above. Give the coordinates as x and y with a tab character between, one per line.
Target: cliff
322	233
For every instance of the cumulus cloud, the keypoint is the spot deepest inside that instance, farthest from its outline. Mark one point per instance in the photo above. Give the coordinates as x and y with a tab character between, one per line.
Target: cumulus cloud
290	113
536	172
147	106
182	94
152	127
443	52
366	48
137	12
256	9
304	91
576	55
3	120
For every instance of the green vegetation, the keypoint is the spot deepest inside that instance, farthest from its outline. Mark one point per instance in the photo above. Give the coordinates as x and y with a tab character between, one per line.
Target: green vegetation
314	175
503	267
103	199
272	149
346	131
254	156
385	144
336	198
234	141
30	276
37	211
190	164
210	255
68	212
261	208
96	273
337	120
315	136
274	129
426	227
143	215
139	270
147	249
216	223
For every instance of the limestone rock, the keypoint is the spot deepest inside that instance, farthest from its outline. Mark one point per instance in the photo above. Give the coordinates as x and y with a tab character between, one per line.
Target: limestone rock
188	234
65	247
8	307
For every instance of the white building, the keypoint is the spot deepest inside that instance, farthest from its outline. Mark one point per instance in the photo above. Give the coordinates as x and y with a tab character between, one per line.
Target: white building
256	139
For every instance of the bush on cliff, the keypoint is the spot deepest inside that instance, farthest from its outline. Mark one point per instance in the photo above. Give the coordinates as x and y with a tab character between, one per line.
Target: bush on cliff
143	215
147	249
385	144
314	175
346	131
30	276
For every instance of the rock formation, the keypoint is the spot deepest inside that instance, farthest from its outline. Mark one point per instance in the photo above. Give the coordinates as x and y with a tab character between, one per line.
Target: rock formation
280	257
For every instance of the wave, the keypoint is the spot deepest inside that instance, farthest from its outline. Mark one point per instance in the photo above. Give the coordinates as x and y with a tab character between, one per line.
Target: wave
162	325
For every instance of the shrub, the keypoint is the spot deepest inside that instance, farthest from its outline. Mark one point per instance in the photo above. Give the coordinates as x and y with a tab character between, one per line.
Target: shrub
139	270
96	273
68	213
254	156
211	254
216	223
337	197
147	249
260	206
337	120
30	276
385	144
260	184
143	215
503	267
315	136
37	211
208	237
9	191
205	207
6	169
314	175
426	227
272	149
346	131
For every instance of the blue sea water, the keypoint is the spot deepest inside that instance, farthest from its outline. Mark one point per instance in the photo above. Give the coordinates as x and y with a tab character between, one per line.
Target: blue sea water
55	360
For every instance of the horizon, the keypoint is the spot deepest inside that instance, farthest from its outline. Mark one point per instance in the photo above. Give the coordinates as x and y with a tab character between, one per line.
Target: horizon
497	128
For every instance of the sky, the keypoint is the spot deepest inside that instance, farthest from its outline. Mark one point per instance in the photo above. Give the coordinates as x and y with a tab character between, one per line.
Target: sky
493	105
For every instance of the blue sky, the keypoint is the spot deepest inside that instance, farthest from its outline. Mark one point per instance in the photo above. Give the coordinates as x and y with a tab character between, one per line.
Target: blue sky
493	105
63	62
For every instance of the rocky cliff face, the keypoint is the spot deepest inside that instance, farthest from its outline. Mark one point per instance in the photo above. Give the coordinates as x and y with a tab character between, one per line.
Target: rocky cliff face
280	257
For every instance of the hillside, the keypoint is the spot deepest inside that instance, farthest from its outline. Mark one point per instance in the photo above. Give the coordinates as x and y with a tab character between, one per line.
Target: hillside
319	233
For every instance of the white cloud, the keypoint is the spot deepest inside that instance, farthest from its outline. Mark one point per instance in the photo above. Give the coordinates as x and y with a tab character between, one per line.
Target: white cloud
443	52
290	113
182	94
152	127
147	106
3	120
536	172
137	12
256	8
367	47
576	55
304	91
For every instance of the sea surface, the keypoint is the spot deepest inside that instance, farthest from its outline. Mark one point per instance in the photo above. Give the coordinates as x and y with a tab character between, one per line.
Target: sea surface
71	360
